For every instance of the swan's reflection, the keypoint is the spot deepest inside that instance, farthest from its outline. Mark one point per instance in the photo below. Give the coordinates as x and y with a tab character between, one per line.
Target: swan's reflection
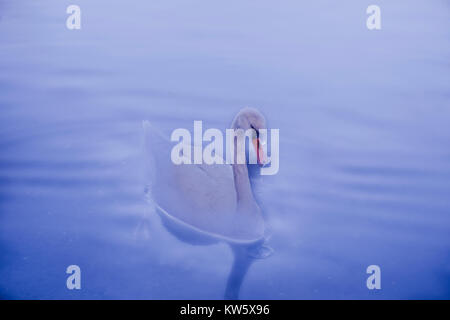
204	204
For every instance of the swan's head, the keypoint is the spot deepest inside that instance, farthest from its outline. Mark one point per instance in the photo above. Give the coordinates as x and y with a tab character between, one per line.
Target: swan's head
251	118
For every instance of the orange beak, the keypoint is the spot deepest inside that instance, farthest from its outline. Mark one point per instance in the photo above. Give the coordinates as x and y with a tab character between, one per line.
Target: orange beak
259	152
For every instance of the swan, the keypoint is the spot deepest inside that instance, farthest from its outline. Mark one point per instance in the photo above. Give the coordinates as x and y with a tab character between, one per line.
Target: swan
207	203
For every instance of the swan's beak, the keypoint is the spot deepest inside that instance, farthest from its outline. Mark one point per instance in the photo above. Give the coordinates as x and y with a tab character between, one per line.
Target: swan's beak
262	160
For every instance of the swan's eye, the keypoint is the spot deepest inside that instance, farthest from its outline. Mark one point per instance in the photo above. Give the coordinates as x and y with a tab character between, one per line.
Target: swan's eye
257	132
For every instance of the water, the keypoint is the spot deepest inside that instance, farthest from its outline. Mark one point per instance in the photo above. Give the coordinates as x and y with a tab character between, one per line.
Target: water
364	164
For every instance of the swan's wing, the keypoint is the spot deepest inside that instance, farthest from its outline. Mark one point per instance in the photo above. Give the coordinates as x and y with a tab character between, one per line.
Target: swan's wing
201	195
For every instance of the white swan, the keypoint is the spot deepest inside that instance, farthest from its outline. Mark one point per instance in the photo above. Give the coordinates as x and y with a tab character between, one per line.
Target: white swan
203	204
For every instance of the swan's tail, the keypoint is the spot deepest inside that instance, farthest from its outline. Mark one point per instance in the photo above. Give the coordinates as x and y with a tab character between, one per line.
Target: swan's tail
148	152
151	140
155	148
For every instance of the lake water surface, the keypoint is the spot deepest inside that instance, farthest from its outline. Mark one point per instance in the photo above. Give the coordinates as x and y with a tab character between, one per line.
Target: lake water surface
364	119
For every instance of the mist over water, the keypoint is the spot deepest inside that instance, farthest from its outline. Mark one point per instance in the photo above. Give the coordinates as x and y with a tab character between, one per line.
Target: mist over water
364	133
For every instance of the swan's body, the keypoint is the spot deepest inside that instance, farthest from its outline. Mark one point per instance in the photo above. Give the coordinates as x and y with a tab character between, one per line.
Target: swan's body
203	204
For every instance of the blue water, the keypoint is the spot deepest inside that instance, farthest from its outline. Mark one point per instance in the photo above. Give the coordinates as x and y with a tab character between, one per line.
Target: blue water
364	139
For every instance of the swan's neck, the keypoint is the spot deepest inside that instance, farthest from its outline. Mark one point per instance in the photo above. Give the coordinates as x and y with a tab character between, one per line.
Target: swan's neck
242	185
245	200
